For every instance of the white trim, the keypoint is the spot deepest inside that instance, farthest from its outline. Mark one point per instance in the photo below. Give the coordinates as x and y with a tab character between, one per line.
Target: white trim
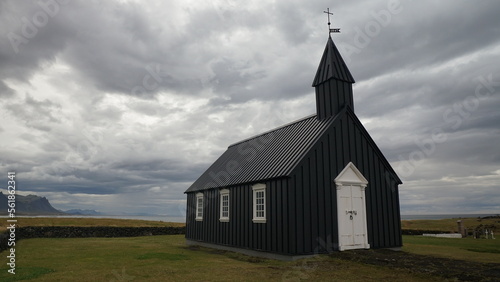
343	177
198	216
258	186
256	189
223	193
351	176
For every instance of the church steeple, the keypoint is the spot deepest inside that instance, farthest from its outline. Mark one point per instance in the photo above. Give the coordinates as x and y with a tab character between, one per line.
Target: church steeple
333	83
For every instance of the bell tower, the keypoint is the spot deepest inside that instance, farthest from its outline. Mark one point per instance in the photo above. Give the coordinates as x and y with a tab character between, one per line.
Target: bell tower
333	81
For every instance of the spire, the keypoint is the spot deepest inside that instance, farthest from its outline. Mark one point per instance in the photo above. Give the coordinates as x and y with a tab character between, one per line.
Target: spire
332	66
333	83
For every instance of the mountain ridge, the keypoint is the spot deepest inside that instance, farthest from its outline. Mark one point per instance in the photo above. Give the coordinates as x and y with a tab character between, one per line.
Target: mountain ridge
83	212
29	205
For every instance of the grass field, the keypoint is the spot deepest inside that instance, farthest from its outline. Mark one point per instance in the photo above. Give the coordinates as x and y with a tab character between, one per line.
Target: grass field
161	258
449	224
470	249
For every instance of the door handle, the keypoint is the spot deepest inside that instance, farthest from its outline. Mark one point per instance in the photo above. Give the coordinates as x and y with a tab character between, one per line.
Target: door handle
351	212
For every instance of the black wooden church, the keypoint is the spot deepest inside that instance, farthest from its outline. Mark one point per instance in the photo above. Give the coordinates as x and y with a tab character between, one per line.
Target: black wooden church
316	185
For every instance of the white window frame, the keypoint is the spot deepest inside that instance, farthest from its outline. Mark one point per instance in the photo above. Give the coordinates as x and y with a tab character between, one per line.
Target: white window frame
255	191
199	210
224	193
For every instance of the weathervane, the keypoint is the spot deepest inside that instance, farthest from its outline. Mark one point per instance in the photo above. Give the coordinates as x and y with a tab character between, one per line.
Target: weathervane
331	30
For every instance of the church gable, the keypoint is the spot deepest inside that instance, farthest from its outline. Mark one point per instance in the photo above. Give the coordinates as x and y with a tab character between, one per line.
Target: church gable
352	118
346	140
313	185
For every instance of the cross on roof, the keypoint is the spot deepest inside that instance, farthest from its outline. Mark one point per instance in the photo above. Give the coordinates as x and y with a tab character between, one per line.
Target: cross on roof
331	30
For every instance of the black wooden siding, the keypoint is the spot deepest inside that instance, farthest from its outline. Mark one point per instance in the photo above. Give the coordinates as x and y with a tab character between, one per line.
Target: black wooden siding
276	235
301	209
332	96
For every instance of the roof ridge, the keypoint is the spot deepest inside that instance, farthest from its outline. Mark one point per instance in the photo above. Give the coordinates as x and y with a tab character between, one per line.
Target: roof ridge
272	130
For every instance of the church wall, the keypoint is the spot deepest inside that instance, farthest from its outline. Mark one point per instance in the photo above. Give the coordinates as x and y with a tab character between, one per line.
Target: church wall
276	235
316	199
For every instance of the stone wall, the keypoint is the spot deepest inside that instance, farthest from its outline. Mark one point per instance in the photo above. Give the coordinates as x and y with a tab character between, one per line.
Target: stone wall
419	231
82	232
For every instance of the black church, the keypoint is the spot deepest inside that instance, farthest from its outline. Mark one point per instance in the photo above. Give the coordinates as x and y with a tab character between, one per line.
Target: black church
316	185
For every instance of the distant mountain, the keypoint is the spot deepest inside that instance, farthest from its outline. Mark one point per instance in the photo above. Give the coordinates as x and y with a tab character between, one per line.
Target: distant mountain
29	205
83	212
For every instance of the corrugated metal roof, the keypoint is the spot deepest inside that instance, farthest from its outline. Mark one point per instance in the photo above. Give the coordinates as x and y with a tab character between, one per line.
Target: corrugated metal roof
332	66
269	155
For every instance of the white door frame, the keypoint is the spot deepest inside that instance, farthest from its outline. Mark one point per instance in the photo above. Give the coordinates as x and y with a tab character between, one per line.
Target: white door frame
351	178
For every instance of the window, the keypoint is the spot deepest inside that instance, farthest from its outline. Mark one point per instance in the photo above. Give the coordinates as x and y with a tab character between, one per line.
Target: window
259	203
224	205
199	207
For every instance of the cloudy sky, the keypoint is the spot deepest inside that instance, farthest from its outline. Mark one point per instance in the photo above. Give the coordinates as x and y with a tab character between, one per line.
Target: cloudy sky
119	106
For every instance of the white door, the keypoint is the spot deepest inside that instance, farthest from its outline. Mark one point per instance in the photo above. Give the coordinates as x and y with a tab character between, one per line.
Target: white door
351	217
351	209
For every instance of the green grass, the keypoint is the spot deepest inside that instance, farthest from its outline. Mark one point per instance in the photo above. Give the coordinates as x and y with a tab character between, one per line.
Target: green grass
164	256
167	258
26	273
448	224
479	250
161	258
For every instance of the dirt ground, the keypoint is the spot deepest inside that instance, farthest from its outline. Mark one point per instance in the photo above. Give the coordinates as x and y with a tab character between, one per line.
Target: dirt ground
447	268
